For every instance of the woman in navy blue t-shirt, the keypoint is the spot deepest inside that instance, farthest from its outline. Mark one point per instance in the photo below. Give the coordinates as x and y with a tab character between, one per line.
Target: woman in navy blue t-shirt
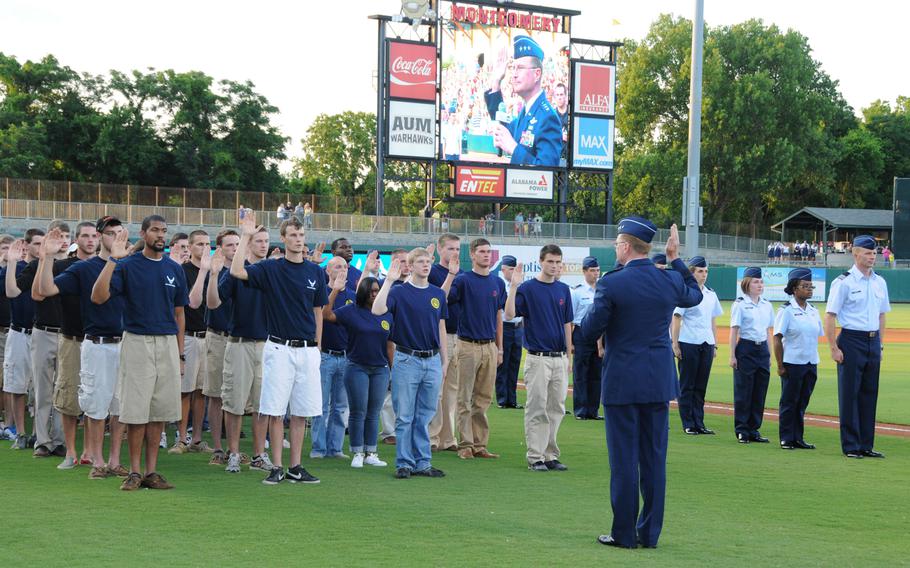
367	376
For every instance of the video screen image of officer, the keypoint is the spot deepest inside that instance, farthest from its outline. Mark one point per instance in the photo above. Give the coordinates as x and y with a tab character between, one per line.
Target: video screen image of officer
534	137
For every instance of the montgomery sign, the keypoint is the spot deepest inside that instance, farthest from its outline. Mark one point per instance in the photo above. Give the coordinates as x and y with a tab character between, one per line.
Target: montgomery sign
505	18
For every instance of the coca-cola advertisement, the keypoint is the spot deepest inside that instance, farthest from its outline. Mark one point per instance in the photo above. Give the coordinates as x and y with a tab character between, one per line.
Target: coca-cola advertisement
412	70
594	89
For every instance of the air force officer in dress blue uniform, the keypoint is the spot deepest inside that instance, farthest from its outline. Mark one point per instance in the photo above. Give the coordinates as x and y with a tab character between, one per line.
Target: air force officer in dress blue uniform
859	301
535	137
633	307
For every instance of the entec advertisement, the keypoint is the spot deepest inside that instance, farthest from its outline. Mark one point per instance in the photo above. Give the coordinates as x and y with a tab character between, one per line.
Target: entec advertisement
595	89
412	70
471	181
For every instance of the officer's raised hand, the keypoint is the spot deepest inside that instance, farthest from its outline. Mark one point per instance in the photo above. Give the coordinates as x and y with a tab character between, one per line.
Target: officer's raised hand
673	244
498	69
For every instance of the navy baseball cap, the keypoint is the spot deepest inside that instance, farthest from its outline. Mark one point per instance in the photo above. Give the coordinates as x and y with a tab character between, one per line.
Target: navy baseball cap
589	262
698	262
527	47
638	227
864	241
660	258
752	272
509	260
107	221
800	274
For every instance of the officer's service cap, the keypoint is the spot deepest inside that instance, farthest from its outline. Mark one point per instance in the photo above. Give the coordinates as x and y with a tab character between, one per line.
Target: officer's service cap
589	262
698	262
638	227
509	260
752	272
660	258
800	274
864	241
527	47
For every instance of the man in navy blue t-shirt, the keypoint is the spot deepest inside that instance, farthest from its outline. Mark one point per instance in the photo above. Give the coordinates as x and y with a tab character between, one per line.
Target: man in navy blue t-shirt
546	306
481	297
419	309
342	248
294	290
154	293
442	274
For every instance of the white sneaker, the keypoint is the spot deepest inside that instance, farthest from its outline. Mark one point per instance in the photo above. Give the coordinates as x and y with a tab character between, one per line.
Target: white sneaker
285	444
233	464
358	460
373	459
163	442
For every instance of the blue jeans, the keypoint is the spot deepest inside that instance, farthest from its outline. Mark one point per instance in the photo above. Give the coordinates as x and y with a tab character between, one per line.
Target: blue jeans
328	429
366	388
415	392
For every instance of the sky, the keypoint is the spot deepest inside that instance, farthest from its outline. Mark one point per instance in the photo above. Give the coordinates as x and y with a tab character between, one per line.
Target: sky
313	57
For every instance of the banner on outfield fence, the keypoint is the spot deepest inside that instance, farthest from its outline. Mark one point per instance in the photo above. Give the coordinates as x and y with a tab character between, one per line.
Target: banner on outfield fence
412	129
529	257
529	184
775	279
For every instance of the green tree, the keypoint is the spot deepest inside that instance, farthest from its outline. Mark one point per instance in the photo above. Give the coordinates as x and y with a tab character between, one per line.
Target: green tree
341	149
892	129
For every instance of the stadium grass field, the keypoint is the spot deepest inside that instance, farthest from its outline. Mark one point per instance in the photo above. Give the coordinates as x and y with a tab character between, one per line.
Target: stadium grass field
727	505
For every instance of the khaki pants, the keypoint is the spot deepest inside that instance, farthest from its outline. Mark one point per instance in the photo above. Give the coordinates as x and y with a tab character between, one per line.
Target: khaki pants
66	389
546	383
48	426
442	427
476	368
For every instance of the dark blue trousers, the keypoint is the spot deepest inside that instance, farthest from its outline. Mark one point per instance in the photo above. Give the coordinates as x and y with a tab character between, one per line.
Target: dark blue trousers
857	388
637	444
694	370
750	386
586	378
795	390
507	373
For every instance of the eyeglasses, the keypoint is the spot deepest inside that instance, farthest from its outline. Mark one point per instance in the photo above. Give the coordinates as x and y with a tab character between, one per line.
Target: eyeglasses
522	67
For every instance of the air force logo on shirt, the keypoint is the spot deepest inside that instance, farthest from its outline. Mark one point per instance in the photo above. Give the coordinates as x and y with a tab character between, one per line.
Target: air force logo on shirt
169	281
312	284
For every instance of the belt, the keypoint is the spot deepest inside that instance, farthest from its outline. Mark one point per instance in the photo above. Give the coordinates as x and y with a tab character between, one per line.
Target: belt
756	343
478	341
73	337
333	352
25	330
293	342
216	332
199	334
513	324
857	333
417	352
103	340
547	353
235	339
4	329
47	328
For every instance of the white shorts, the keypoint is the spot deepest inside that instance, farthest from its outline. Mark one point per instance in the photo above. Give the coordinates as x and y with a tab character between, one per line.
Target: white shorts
17	362
195	368
98	380
290	375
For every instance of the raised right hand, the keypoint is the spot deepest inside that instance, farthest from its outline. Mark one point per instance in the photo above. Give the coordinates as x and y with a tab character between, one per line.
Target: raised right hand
394	272
518	275
120	248
248	224
16	250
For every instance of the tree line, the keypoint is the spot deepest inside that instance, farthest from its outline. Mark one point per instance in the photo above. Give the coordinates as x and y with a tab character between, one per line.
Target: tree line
777	134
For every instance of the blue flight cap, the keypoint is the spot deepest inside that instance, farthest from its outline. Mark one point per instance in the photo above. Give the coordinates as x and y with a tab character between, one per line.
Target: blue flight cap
509	260
752	272
589	262
800	274
698	262
527	47
638	227
864	241
659	258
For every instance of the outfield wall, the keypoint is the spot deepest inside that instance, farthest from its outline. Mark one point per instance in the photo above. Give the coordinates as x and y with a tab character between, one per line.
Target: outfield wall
722	279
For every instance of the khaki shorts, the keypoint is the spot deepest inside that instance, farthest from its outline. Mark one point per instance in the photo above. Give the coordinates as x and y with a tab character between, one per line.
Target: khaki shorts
17	363
214	346
149	379
242	384
194	368
66	387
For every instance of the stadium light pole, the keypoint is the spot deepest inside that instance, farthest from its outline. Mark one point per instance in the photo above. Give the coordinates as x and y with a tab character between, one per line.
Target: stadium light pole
691	199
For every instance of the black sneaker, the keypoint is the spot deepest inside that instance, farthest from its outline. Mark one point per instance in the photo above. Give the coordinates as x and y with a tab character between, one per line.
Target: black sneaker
538	466
430	472
275	477
299	475
403	473
555	464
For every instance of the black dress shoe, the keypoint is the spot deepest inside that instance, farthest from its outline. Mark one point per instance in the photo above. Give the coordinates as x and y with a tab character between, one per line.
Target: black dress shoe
788	445
803	445
580	417
597	418
692	431
555	465
643	545
873	454
704	430
517	406
607	540
760	439
743	438
501	406
855	454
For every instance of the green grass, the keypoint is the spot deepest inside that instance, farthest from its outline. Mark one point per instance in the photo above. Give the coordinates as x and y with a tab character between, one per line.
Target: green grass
727	505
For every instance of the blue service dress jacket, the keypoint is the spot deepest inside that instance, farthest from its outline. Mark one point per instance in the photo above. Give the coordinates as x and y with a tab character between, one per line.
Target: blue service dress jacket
538	132
633	306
